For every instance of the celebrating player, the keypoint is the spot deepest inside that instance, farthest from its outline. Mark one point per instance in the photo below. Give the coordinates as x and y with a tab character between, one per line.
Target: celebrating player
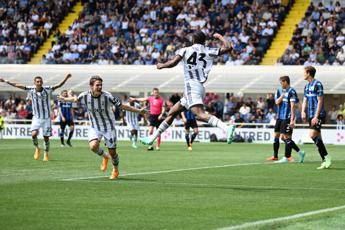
156	111
99	106
286	99
197	60
313	110
66	118
41	111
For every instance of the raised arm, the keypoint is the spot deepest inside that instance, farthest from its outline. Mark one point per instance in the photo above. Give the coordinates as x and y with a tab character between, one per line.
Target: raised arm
226	46
20	86
142	99
62	82
171	63
279	100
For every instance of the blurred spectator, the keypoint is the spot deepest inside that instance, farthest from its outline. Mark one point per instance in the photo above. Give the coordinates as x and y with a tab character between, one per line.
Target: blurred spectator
340	122
332	114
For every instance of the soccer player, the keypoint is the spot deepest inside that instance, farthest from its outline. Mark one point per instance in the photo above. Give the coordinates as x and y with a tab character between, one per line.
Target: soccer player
286	102
197	60
189	120
66	118
156	111
99	106
133	123
313	110
40	96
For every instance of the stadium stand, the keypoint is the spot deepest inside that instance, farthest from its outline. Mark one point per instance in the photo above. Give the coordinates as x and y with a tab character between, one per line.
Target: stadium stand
25	24
134	32
319	38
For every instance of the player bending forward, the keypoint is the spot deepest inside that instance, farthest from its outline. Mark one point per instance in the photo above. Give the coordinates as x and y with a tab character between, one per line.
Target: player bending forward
197	61
99	106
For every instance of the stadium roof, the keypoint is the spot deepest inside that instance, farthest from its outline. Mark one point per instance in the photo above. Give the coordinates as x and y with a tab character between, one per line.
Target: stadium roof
132	78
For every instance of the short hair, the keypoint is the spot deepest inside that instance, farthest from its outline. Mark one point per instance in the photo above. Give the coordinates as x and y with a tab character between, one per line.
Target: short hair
310	70
38	77
155	89
64	91
95	78
285	78
199	38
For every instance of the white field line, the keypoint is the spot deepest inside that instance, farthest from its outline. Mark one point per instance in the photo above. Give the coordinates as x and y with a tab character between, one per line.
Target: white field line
166	171
285	218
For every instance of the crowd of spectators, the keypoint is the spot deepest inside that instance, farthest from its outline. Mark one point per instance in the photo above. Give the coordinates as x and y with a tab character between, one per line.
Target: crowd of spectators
234	108
319	38
25	25
145	32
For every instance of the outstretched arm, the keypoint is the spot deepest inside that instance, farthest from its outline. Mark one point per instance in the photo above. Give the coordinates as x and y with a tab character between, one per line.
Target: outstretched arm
133	109
62	82
67	99
226	46
142	99
171	63
20	86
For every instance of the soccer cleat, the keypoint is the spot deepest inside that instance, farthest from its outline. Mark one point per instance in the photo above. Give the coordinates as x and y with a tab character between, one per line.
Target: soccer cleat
150	148
272	158
146	141
290	159
62	145
322	166
134	146
328	161
301	155
69	143
37	153
283	160
104	164
190	148
230	134
158	149
45	158
114	174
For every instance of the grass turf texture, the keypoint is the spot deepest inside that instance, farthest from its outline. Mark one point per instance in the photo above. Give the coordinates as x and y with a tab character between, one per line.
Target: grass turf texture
150	195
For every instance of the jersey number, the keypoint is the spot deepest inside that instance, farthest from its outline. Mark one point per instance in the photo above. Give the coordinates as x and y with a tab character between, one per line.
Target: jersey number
192	59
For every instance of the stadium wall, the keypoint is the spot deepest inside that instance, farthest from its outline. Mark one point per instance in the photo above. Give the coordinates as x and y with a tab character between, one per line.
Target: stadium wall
256	135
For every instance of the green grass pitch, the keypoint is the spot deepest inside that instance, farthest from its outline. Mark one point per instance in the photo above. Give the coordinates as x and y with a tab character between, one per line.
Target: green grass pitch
214	186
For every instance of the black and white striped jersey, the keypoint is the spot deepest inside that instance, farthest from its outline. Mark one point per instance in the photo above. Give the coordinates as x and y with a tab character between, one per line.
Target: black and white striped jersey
41	107
197	61
132	117
100	110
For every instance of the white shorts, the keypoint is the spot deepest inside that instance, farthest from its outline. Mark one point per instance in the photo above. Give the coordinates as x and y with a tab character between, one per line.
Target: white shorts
45	124
194	94
133	126
109	137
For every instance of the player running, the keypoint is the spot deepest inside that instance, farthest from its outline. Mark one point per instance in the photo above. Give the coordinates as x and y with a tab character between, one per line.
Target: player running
66	115
133	123
41	96
156	112
313	109
99	106
286	103
189	120
197	60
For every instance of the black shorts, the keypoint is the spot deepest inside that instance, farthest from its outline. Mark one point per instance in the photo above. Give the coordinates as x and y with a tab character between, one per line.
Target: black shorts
318	125
67	122
283	126
154	121
191	124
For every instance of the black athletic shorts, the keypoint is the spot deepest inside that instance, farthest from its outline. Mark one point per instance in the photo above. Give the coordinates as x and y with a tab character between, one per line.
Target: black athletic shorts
283	126
154	121
191	124
67	122
318	125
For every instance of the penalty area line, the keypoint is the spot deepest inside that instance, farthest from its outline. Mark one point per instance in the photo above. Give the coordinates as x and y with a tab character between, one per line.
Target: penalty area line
166	171
281	219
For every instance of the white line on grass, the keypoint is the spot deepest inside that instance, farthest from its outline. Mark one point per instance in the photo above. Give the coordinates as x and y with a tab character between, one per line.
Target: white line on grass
280	219
167	171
